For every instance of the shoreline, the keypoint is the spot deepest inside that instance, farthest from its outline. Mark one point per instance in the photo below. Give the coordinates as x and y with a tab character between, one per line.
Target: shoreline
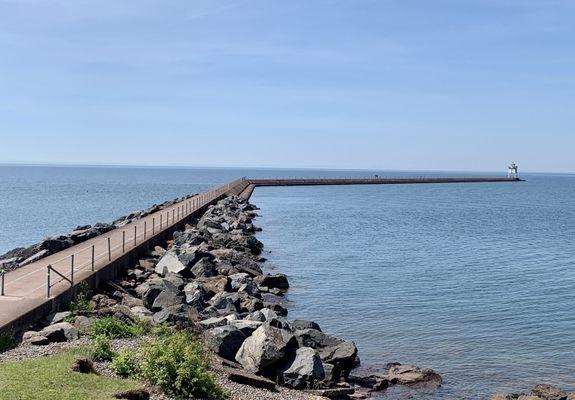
279	309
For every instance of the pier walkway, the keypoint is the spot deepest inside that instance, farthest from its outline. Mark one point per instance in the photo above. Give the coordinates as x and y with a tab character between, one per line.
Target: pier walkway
37	289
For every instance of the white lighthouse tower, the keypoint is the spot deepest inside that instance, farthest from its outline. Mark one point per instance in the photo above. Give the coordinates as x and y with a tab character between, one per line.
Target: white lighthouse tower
512	171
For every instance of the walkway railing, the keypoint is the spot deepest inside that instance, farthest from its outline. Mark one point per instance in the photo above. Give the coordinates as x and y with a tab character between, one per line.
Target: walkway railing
110	246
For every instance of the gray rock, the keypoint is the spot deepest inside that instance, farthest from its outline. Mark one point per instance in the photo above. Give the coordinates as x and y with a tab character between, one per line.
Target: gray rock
278	281
35	257
332	350
60	332
165	299
304	370
301	324
153	289
411	374
169	263
247	327
225	340
176	313
265	347
35	339
548	392
57	317
204	268
82	323
195	295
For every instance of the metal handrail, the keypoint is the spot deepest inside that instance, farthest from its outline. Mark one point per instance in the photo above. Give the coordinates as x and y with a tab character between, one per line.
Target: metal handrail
184	208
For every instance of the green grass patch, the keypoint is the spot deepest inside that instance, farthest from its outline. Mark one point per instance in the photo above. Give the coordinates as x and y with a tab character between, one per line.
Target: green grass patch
113	328
51	378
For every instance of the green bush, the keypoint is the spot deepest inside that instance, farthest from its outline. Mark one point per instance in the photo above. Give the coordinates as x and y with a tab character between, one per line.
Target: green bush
162	330
179	363
81	302
125	363
113	328
6	342
101	350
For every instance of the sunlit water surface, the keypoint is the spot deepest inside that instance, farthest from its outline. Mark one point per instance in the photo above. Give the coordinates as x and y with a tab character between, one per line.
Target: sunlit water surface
474	280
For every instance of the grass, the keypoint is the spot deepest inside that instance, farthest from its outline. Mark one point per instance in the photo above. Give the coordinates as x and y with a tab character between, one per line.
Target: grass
50	378
113	328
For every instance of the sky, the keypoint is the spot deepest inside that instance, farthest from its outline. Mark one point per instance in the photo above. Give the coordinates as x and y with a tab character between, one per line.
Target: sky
362	84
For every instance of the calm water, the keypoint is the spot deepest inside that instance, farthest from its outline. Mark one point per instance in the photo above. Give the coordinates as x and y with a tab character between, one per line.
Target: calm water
473	280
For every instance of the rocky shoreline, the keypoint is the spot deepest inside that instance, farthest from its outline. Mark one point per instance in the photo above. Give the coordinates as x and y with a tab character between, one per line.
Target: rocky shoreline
21	256
209	279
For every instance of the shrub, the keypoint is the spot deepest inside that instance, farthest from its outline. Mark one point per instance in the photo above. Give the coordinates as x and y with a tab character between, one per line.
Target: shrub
125	363
178	363
101	350
81	302
162	330
113	328
6	342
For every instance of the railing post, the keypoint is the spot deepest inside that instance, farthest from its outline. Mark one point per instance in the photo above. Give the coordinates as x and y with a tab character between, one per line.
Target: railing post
135	234
3	277
72	271
161	220
109	249
123	241
153	226
145	228
93	256
49	281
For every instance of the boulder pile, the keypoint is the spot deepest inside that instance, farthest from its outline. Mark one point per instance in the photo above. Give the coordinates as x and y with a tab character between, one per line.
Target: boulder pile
539	392
21	256
211	278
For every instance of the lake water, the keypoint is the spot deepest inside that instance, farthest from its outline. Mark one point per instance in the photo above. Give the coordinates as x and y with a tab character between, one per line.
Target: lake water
474	280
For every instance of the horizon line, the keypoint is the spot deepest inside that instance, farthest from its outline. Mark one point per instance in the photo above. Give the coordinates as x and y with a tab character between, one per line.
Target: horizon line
184	166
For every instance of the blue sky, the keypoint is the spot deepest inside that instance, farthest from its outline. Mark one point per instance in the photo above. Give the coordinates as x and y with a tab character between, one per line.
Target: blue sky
443	84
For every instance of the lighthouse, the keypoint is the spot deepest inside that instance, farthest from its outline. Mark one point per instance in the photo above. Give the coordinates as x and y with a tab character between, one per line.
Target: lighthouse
512	171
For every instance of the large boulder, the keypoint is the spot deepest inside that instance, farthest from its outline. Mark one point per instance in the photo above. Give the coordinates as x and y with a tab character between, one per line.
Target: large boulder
303	370
60	332
548	392
332	350
165	299
204	268
169	263
278	281
152	289
411	374
56	244
215	285
176	313
265	348
195	295
301	324
225	340
81	235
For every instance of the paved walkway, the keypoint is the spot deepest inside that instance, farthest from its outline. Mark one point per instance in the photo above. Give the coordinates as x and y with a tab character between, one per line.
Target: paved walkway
27	287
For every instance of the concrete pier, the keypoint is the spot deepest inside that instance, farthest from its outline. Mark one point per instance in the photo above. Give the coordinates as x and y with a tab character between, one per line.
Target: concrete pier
37	289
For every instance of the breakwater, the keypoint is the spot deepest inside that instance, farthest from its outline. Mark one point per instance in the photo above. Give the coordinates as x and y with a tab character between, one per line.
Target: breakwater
40	285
